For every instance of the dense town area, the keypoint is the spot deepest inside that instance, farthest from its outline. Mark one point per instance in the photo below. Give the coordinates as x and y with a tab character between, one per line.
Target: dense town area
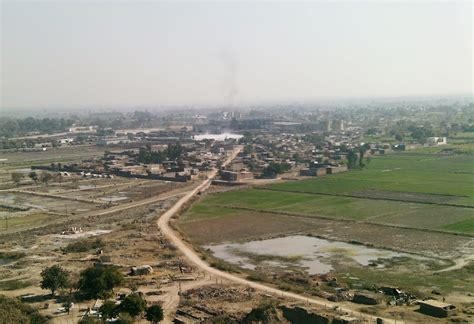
209	215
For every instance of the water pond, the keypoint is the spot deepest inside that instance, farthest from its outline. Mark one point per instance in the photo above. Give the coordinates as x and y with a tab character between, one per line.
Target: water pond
311	253
217	137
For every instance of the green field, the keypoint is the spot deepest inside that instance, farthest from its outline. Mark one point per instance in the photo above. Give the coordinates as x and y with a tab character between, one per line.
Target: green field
414	190
440	174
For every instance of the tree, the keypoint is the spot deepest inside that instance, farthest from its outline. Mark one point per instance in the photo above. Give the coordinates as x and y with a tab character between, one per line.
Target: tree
273	169
154	314
68	302
361	157
16	177
99	280
133	304
54	278
351	159
108	310
33	176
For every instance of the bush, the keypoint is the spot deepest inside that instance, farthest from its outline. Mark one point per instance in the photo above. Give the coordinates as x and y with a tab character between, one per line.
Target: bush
84	245
14	284
14	311
91	320
124	319
13	256
224	266
255	276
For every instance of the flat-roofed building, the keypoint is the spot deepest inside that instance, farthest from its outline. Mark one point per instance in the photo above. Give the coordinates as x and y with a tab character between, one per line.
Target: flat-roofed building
436	308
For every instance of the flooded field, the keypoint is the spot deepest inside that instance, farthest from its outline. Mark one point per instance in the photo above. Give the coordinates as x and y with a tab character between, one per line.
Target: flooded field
30	202
311	253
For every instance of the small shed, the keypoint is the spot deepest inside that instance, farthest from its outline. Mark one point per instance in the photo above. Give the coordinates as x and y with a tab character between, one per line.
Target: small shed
367	298
436	308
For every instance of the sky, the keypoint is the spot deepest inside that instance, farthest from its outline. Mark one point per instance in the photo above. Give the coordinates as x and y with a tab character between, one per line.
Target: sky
131	53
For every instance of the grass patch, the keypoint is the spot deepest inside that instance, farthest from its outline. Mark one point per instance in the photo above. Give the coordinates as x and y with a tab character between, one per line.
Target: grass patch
413	280
466	226
12	255
259	258
14	284
257	276
224	266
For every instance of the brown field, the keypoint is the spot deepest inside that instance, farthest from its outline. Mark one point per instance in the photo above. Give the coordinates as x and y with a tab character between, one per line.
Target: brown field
244	226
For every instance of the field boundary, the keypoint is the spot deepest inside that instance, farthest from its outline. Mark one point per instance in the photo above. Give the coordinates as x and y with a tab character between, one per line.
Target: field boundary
370	198
276	212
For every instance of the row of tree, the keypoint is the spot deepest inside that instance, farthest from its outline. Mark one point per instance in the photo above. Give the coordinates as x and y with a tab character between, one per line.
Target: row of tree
98	282
11	127
43	177
355	157
171	153
273	169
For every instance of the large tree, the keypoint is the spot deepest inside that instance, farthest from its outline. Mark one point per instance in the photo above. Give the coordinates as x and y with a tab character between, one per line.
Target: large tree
108	310
351	159
133	304
154	314
99	280
54	278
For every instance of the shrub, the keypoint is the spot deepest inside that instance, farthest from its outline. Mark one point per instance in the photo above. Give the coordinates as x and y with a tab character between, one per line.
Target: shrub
84	245
14	311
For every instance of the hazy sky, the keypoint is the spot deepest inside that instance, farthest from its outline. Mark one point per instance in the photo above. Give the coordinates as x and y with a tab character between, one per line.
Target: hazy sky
110	53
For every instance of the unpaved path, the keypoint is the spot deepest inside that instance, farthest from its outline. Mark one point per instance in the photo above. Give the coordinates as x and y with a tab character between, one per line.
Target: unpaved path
468	251
163	224
458	264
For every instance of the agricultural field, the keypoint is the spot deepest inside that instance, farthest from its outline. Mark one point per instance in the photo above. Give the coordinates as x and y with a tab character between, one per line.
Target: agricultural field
407	190
413	202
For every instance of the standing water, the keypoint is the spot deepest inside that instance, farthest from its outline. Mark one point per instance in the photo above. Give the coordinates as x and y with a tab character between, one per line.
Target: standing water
308	252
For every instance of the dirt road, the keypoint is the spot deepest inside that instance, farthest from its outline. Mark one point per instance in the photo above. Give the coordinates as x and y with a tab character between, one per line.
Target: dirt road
163	224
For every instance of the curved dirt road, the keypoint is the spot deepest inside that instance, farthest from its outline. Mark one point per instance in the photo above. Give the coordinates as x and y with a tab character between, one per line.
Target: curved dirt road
163	224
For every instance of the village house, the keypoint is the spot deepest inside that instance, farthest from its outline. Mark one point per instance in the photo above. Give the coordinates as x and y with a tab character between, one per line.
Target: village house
436	308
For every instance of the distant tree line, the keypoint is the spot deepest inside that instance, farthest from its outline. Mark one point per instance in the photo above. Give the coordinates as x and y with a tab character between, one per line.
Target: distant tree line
273	169
11	127
171	153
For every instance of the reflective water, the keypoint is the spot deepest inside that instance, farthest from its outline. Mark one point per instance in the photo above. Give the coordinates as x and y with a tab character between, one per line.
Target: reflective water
217	137
312	253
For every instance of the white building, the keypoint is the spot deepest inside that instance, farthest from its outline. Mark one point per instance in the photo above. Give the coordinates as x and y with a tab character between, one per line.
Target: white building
436	140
